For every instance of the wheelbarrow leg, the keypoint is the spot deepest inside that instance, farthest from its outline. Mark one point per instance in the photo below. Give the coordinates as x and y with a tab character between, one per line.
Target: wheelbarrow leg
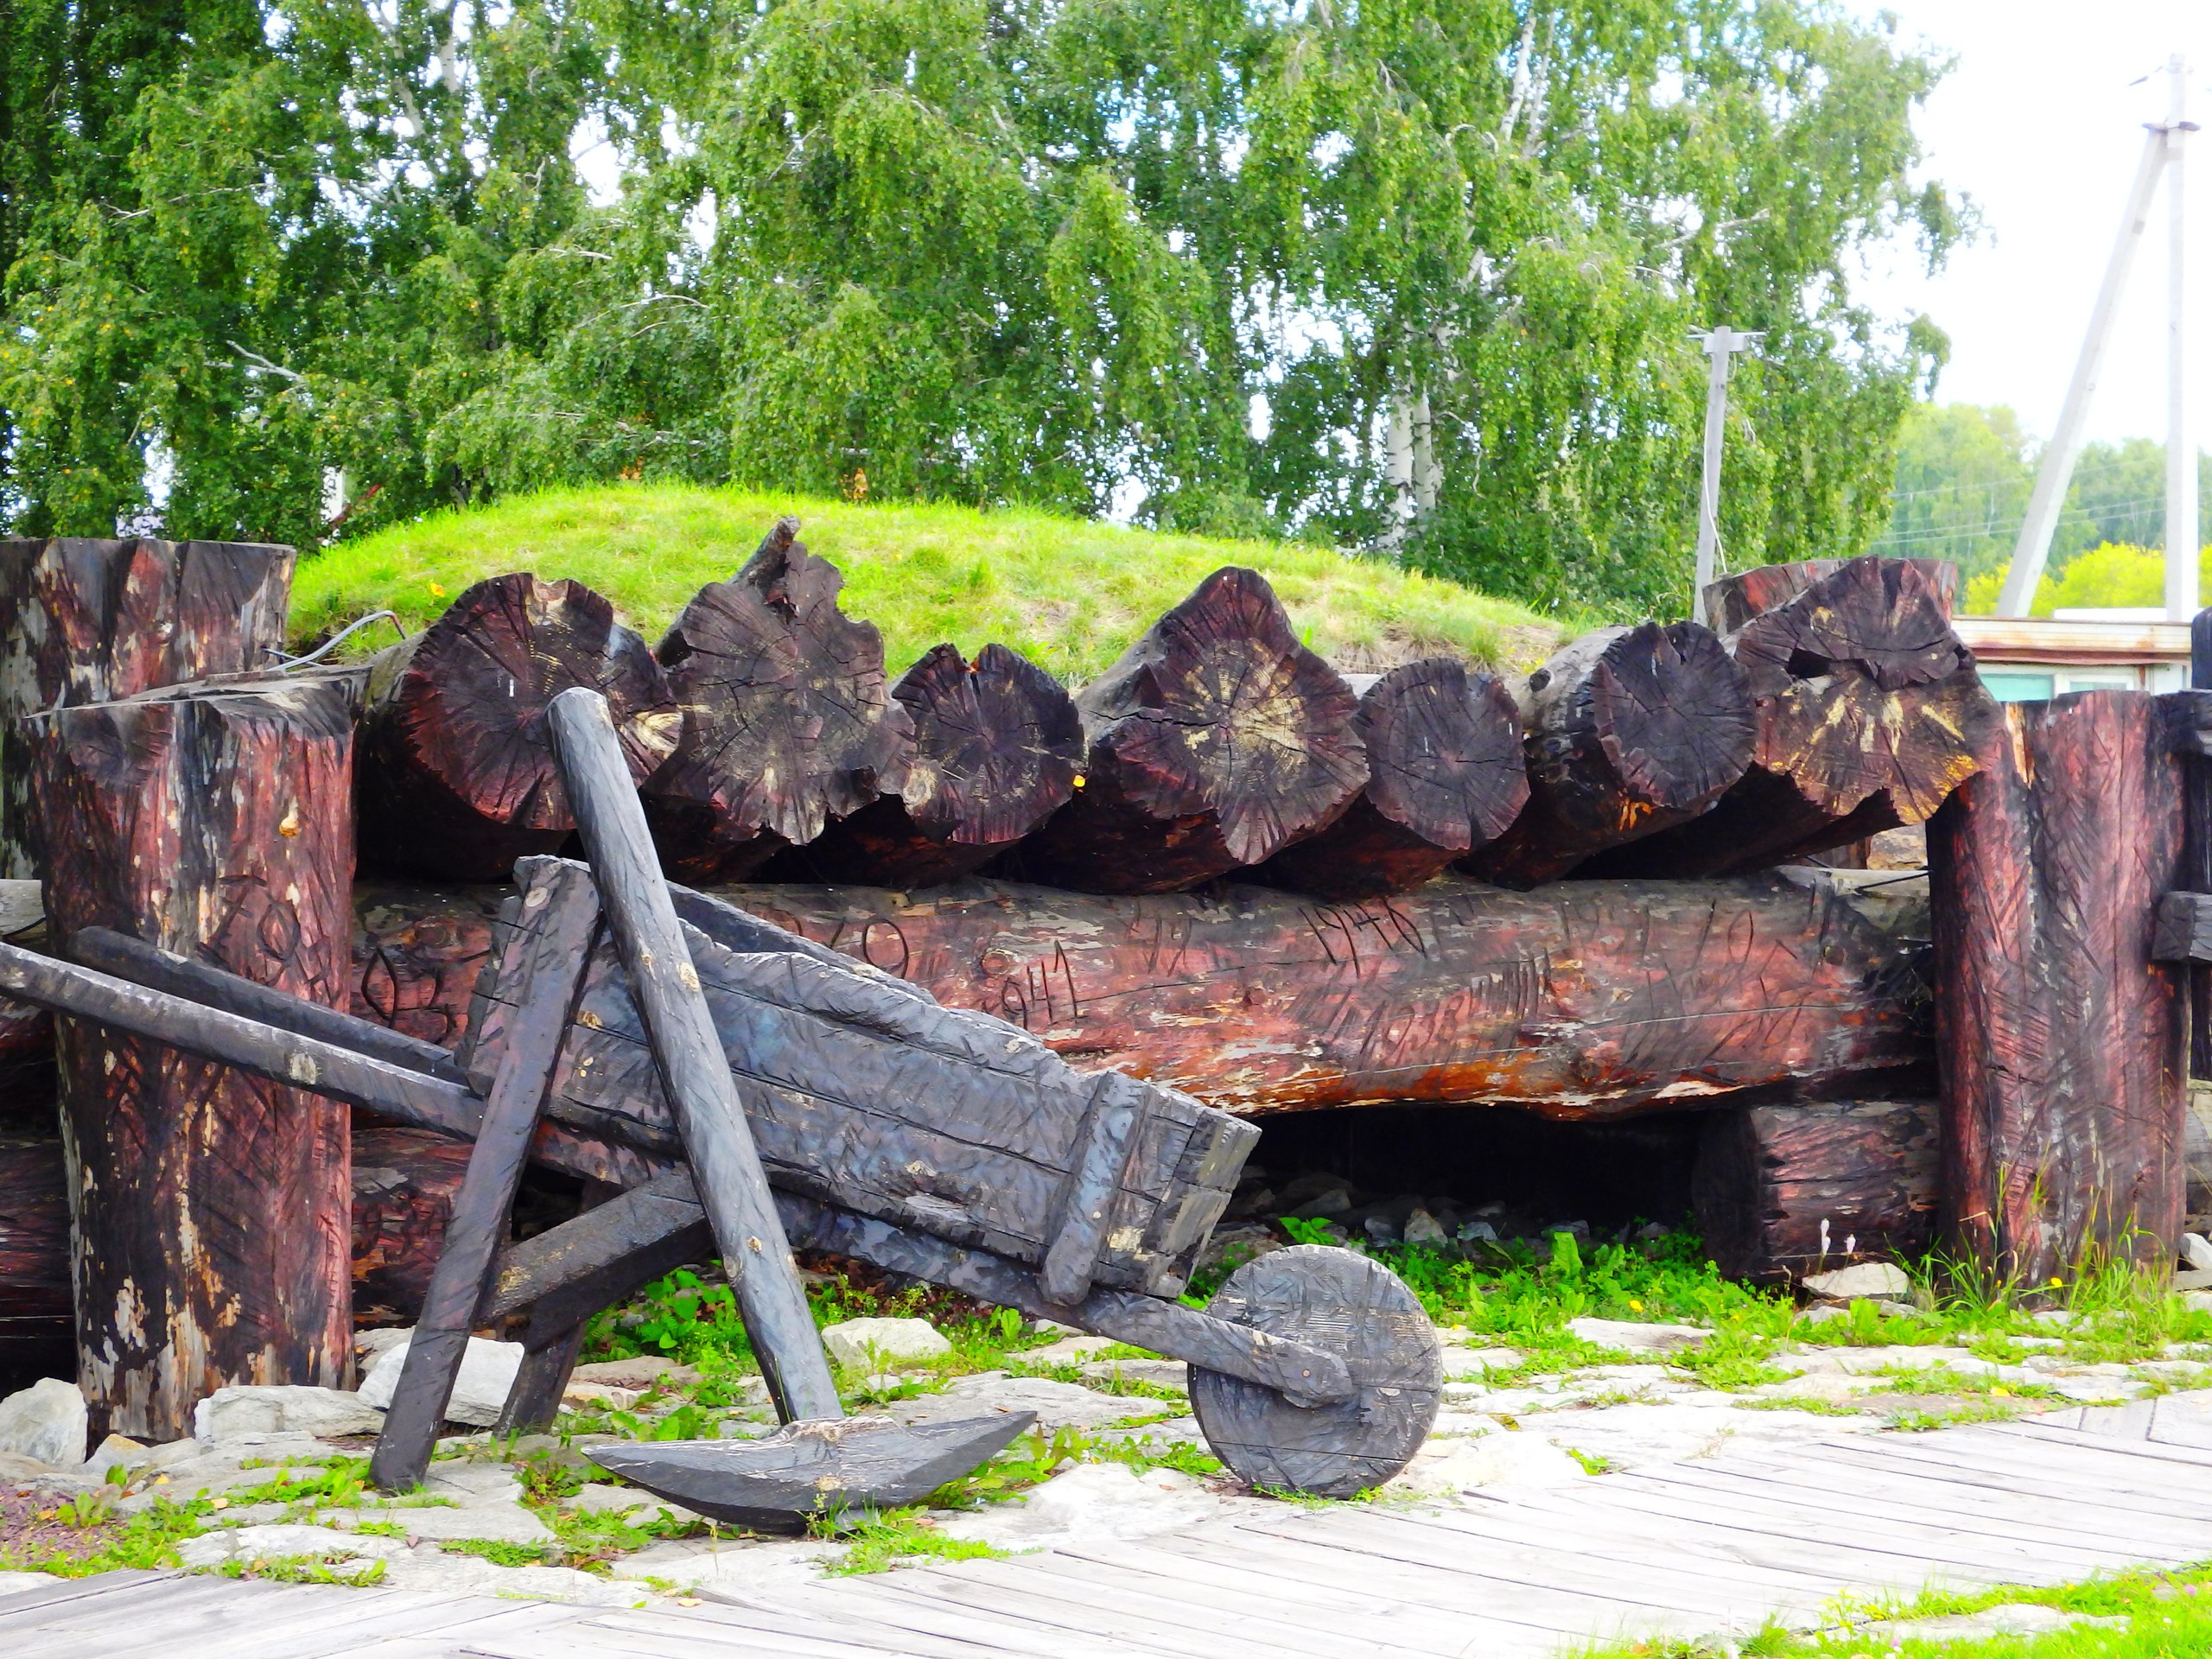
478	1226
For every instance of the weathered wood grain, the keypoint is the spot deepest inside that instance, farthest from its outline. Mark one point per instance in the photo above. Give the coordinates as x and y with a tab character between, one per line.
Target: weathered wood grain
788	721
1734	599
1629	730
1217	740
997	749
210	1207
2059	1039
404	1184
86	620
1446	775
454	776
1784	1190
417	951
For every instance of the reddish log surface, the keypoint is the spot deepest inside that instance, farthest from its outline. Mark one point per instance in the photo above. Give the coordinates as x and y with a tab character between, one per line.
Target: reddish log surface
417	952
997	747
454	774
1782	1191
1585	999
1216	740
1446	776
1734	599
788	721
404	1183
211	1212
85	621
2060	1040
1630	730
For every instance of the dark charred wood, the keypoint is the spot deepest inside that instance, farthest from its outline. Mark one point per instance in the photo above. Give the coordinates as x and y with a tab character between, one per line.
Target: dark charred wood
417	951
84	620
1839	760
1734	599
456	776
997	747
1877	618
404	1184
2060	1040
1782	1191
1447	776
212	1245
1630	730
1216	740
787	722
34	1217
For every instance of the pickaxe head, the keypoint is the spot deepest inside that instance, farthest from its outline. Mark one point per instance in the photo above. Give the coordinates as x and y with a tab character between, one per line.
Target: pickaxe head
780	1481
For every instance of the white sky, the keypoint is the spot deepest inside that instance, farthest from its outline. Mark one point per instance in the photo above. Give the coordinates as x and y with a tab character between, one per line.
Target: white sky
2038	122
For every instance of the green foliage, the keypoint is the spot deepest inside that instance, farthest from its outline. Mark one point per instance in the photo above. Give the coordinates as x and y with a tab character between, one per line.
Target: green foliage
1070	594
348	1570
1210	263
497	1550
2112	574
894	1536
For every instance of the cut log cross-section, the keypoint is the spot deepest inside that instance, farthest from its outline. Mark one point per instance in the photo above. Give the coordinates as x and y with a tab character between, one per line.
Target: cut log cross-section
211	1208
454	774
1630	730
1870	714
1446	776
85	621
788	720
1734	599
997	749
2059	1039
1215	741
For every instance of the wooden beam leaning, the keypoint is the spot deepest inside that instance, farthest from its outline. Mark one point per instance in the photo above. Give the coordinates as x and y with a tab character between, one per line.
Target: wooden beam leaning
688	1053
557	952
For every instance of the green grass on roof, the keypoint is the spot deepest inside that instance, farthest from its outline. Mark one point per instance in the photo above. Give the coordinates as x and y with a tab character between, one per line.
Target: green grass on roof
1070	593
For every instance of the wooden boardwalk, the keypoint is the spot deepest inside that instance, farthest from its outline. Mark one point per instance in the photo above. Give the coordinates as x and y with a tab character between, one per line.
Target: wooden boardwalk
1698	1548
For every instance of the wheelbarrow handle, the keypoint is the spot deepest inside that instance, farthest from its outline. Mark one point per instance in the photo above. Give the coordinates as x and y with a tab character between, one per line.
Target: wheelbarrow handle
688	1052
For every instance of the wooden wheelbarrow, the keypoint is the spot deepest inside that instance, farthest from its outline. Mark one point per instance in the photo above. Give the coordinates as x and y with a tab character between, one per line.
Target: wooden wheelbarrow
752	1092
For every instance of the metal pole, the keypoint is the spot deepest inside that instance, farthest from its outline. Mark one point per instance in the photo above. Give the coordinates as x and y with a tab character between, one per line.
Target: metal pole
2182	541
1721	345
2033	550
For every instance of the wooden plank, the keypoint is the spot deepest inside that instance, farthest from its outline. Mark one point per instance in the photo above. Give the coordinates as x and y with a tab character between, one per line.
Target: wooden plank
474	1618
206	1624
869	1600
21	1602
359	1623
688	1054
2179	1457
2053	1479
718	1641
861	1631
556	951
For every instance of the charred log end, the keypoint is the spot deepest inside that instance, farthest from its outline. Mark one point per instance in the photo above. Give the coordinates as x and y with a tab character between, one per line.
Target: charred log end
1672	711
1885	619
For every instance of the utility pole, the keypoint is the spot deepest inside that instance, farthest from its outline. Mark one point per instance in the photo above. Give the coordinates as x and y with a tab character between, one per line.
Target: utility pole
2032	551
2182	541
1721	345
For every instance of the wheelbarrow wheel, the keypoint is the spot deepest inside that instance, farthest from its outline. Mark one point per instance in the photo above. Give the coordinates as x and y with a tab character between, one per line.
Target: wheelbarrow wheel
1344	1301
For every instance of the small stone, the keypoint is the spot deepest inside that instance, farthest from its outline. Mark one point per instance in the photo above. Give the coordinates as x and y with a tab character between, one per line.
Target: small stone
859	1344
117	1450
277	1542
1381	1230
369	1346
2196	1250
1090	1502
1160	1373
1333	1191
1467	1362
239	1408
638	1374
1422	1228
579	1395
1070	1350
438	1573
487	1376
1507	1459
1877	1281
48	1421
1056	1404
731	1565
634	1504
1478	1232
1637	1336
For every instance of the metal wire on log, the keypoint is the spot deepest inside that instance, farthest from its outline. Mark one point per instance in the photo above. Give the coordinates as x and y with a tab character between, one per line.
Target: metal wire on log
2059	1040
1446	776
1216	740
1630	730
997	749
211	1207
788	721
85	619
454	772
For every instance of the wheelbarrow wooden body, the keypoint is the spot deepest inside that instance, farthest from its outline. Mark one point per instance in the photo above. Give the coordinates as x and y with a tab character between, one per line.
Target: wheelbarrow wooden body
936	1142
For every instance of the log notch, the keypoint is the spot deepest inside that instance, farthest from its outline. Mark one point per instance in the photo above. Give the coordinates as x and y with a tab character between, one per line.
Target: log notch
1782	1191
210	1208
1587	999
1216	740
2059	1039
1870	714
997	747
788	721
1446	776
85	621
454	776
1630	730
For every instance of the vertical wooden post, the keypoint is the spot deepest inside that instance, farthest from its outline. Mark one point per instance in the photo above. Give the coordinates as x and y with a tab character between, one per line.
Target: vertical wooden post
86	620
2059	1039
210	1209
2196	849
